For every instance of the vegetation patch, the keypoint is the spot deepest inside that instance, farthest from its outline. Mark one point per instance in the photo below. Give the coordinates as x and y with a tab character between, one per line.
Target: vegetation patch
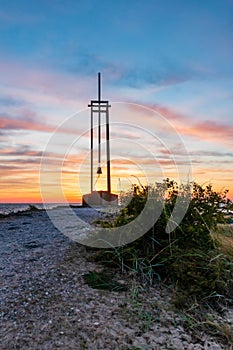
195	260
190	257
103	280
224	236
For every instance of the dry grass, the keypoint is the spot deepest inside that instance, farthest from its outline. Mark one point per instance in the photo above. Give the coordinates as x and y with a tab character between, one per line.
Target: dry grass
226	229
224	235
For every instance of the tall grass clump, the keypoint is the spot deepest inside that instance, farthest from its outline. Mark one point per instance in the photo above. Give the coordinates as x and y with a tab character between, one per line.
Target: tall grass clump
189	257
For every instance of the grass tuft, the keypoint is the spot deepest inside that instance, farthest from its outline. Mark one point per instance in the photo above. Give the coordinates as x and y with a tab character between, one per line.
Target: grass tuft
103	280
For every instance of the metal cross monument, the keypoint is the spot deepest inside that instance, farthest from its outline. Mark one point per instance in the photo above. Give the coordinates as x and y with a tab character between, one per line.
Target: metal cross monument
100	108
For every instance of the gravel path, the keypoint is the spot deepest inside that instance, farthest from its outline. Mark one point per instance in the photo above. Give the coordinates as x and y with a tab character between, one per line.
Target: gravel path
45	303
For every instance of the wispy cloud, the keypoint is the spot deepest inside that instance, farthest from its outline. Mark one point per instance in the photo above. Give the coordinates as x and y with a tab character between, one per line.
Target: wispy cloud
163	73
11	101
186	125
41	86
17	124
180	151
210	131
141	77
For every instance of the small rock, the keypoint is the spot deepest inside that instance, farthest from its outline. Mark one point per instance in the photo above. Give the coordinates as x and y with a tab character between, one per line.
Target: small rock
32	244
212	346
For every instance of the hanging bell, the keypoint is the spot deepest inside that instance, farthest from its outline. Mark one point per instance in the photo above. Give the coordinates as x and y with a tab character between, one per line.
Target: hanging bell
99	170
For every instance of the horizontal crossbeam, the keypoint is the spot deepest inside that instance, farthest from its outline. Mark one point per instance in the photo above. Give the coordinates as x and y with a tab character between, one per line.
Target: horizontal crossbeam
97	102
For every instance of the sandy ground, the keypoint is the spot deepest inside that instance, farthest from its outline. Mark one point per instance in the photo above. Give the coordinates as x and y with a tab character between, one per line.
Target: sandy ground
45	303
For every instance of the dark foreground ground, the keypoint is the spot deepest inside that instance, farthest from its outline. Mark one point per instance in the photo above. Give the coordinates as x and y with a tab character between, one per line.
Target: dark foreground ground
46	305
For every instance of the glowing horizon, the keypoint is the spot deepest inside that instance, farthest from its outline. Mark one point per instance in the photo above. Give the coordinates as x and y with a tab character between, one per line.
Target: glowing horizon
169	93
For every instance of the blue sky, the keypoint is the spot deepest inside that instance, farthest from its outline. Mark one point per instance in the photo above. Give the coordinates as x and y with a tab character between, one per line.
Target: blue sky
174	57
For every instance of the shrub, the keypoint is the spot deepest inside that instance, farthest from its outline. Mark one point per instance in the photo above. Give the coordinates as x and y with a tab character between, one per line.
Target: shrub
188	257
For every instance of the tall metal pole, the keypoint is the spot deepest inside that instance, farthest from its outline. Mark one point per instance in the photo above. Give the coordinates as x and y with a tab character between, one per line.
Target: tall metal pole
99	139
91	150
99	171
108	151
99	87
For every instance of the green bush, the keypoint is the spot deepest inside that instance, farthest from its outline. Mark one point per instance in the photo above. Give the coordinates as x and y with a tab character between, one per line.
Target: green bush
188	257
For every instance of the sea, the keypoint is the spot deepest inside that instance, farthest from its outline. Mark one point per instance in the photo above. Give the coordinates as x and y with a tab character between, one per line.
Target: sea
14	208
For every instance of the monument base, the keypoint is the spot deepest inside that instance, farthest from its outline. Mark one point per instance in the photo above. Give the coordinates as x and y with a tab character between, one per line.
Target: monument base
102	198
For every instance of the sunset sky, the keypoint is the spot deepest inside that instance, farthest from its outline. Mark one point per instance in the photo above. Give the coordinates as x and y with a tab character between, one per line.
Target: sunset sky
167	70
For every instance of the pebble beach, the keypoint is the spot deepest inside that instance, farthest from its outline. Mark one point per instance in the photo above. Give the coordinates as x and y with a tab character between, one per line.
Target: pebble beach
46	305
